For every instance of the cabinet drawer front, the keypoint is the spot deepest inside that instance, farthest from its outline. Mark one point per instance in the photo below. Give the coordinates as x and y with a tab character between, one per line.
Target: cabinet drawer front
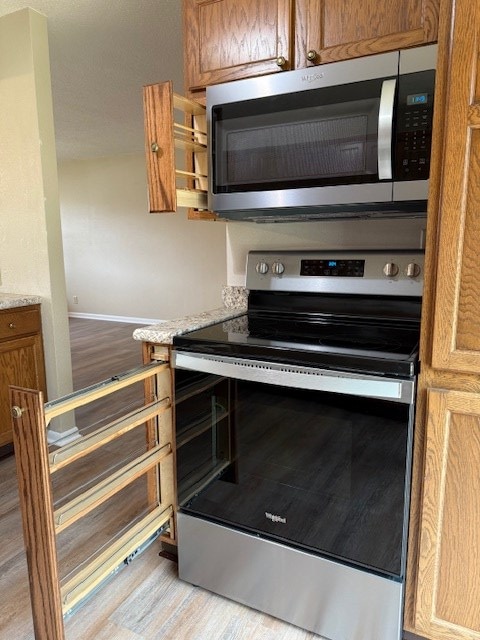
19	322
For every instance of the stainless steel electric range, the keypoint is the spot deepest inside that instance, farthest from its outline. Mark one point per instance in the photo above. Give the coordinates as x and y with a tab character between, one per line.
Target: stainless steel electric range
294	441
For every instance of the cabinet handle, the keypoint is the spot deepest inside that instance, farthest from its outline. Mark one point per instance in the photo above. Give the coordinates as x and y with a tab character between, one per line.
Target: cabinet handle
155	147
312	55
17	412
11	325
281	61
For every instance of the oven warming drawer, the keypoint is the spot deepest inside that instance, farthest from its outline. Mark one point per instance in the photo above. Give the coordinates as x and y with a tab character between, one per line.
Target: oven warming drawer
299	377
328	598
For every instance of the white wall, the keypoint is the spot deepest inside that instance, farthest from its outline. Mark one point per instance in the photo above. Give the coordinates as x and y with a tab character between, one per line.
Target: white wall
31	258
124	262
348	234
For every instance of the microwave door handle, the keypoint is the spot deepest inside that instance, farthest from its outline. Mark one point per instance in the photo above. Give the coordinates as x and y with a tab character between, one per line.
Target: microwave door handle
385	129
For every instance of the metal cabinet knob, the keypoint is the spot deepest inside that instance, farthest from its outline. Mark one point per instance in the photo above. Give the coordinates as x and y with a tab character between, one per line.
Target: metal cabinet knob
312	55
11	325
17	412
281	61
155	147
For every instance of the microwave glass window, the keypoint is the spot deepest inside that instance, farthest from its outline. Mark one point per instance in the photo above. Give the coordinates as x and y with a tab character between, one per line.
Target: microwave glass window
297	140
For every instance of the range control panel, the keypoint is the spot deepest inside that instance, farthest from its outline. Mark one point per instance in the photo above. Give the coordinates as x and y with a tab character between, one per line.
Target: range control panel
398	273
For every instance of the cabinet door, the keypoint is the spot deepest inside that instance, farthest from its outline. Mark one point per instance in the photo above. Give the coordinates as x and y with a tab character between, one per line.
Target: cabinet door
231	39
21	364
329	30
456	331
448	591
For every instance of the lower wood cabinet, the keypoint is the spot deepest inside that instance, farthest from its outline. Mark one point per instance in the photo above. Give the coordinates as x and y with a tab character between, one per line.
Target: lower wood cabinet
21	358
448	586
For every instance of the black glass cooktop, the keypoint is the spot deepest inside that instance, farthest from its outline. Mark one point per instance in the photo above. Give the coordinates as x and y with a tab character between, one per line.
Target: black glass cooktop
382	347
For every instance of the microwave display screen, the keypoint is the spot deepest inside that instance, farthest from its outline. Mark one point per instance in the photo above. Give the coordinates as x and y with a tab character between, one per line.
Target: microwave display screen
417	98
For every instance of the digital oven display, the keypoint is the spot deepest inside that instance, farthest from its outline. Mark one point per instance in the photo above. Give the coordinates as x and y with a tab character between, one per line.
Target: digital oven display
333	267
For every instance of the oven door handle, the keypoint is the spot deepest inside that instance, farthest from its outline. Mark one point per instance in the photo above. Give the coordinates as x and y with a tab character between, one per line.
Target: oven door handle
299	377
385	129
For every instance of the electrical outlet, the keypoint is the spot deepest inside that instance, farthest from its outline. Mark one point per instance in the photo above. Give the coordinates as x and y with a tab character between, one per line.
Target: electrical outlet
75	299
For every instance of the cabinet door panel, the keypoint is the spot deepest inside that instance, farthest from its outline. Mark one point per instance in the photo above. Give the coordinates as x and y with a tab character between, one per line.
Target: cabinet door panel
448	589
342	29
231	39
21	364
456	332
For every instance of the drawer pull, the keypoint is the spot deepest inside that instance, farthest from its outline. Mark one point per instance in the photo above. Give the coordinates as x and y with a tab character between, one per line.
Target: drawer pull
11	325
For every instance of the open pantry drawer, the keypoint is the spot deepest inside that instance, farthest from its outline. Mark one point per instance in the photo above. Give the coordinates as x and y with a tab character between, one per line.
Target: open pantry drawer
89	506
170	186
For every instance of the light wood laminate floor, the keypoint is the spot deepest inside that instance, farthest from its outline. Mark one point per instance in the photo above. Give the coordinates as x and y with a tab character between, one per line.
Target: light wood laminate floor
145	600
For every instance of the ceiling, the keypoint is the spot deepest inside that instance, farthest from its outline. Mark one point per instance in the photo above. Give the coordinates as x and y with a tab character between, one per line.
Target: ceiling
101	54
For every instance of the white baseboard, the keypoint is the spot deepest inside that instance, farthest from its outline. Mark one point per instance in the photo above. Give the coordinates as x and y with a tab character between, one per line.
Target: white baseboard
96	316
61	438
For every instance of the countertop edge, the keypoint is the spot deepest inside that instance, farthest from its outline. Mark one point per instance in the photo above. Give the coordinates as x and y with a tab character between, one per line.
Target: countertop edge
164	332
14	300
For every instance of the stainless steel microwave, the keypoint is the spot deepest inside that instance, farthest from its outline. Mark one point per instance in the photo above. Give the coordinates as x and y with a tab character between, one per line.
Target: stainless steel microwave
346	139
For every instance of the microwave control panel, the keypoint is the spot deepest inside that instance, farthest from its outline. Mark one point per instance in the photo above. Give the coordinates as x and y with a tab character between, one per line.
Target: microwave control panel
414	125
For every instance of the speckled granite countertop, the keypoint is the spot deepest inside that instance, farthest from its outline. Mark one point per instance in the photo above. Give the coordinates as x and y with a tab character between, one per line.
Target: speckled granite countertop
10	300
165	332
234	299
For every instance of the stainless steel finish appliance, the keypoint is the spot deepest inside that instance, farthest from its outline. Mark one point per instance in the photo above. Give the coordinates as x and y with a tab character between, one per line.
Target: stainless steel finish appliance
346	139
294	441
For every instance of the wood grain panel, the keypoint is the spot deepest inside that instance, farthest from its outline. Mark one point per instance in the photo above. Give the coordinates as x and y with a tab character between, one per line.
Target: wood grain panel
21	364
468	306
343	29
231	39
18	322
459	590
456	344
449	572
31	456
158	118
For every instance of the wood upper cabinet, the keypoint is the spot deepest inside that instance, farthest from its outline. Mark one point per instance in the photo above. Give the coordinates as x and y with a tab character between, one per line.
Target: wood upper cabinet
232	39
21	359
330	30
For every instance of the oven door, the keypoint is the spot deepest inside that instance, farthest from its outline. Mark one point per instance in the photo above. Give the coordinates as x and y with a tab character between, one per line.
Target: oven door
313	459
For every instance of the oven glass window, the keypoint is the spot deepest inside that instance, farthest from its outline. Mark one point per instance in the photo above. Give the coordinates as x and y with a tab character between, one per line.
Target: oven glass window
322	472
309	138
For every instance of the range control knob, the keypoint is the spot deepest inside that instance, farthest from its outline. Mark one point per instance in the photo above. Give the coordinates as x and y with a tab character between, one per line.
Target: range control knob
412	270
262	267
390	269
278	268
